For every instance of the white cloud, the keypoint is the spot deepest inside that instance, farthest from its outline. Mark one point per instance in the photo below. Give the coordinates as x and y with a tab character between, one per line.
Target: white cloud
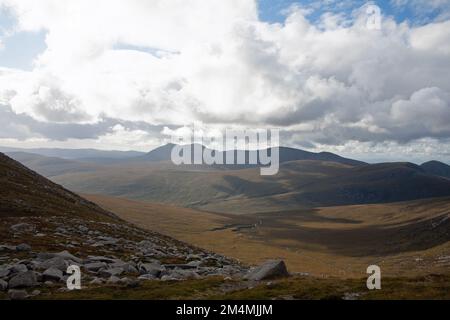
214	61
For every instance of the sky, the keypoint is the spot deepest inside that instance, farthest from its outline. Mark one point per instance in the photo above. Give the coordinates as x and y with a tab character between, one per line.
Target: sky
112	74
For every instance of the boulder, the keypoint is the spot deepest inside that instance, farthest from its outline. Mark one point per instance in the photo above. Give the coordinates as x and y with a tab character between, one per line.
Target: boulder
96	281
269	270
111	272
5	247
184	274
147	277
66	255
127	267
95	266
101	259
23	247
18	268
22	227
24	279
3	285
113	280
55	262
4	272
153	269
52	274
17	294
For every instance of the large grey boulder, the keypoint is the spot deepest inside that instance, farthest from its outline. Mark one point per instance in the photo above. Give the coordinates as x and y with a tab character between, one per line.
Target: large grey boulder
4	272
24	279
110	272
95	266
55	262
52	274
153	269
268	270
68	256
127	267
18	268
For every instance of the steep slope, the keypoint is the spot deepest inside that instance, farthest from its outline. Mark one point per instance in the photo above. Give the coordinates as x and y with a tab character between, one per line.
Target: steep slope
44	229
437	168
25	193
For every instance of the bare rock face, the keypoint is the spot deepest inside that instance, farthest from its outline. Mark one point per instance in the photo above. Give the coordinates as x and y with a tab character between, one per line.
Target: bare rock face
271	269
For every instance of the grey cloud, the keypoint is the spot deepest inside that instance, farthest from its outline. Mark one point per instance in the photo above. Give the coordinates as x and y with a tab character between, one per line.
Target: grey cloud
22	126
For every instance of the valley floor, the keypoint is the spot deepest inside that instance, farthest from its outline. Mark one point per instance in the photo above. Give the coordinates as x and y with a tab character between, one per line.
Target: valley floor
409	239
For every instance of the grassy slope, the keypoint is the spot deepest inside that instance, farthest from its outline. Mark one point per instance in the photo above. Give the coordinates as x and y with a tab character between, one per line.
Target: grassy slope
25	193
337	241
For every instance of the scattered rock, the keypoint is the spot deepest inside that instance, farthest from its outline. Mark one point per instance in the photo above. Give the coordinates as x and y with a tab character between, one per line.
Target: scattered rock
23	247
18	268
22	227
5	247
17	294
351	296
153	269
55	262
36	292
113	280
52	274
269	270
111	272
24	279
3	285
147	277
95	266
96	281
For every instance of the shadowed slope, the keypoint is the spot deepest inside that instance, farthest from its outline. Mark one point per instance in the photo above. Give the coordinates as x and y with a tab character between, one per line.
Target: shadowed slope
25	193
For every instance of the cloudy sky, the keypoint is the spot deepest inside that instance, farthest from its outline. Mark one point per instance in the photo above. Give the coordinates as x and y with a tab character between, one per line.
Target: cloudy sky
115	74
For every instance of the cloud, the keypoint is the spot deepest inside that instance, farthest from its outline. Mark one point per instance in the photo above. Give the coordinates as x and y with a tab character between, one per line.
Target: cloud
324	83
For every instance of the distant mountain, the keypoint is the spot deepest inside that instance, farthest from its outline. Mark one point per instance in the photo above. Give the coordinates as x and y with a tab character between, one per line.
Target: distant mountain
291	154
286	154
437	168
51	166
162	153
301	183
76	154
25	193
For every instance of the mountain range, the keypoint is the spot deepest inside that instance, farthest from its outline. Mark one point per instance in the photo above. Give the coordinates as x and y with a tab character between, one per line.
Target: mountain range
305	179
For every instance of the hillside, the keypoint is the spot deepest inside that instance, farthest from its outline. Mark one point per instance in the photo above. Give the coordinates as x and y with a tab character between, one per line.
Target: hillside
298	184
163	153
437	168
25	193
45	228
